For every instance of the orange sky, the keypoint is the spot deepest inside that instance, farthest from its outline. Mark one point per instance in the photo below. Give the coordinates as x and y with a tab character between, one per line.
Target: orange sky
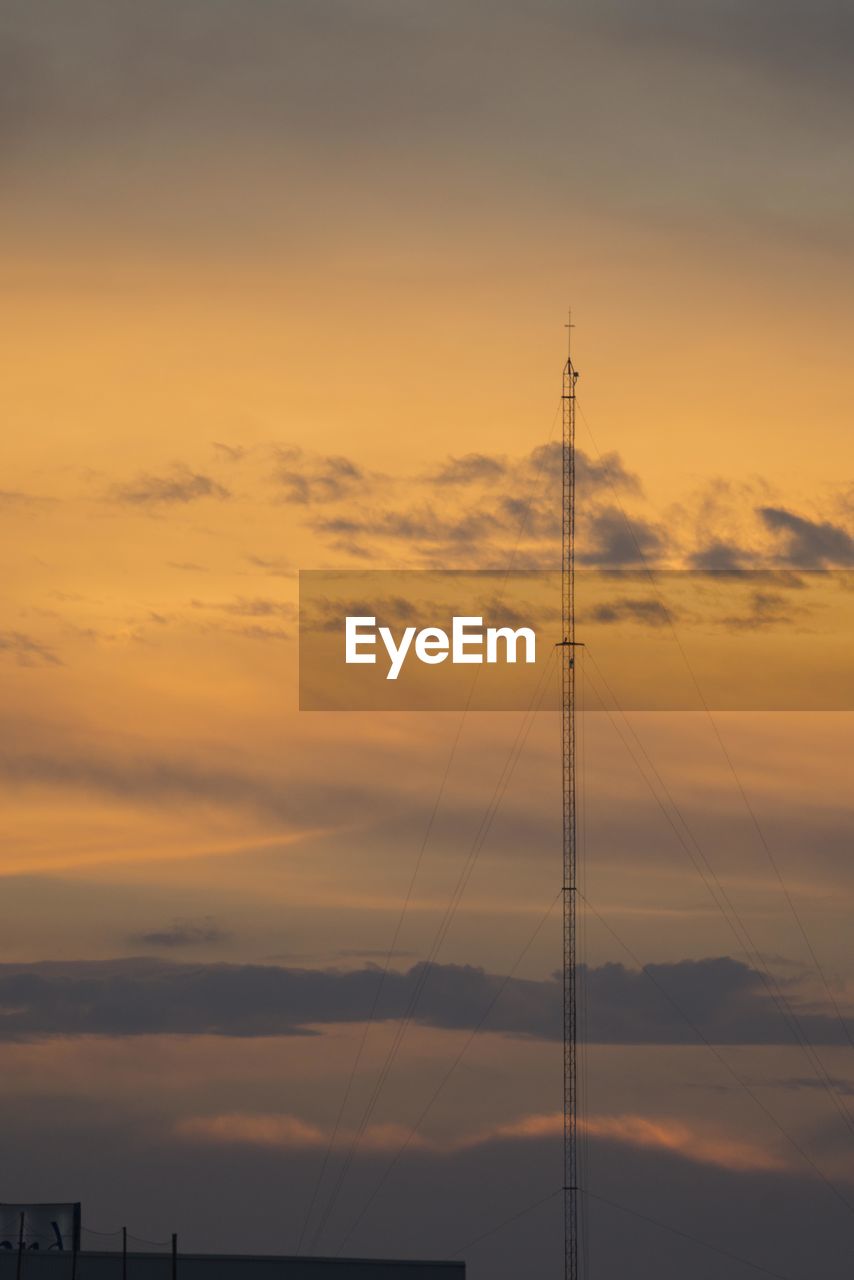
244	243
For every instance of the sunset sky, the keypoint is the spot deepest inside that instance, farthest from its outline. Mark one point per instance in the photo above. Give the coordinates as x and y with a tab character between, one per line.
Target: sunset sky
285	289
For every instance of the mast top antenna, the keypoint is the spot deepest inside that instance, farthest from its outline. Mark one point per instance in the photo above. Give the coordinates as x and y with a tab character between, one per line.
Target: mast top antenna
569	326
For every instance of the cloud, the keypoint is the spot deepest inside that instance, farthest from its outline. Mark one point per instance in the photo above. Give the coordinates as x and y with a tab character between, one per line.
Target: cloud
690	1142
370	953
277	566
477	505
181	486
308	804
649	613
439	538
262	1130
695	1143
613	540
767	609
15	498
729	528
134	997
259	633
490	508
26	651
592	475
309	479
809	544
414	524
775	35
325	614
718	556
845	1088
289	1132
231	452
184	933
249	607
608	472
469	469
244	607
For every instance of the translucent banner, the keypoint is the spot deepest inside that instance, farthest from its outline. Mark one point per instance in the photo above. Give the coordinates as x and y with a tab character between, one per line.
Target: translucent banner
662	640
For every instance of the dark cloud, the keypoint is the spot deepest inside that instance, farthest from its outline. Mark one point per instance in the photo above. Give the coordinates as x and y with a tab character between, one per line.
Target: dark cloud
796	1083
534	517
259	633
231	452
420	528
15	498
470	469
324	614
610	539
26	651
183	933
307	479
649	613
249	607
164	781
181	486
724	997
718	556
592	475
521	517
277	566
779	36
509	610
809	544
766	609
606	472
368	953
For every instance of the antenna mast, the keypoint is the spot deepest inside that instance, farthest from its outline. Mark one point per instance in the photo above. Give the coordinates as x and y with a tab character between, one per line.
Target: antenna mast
569	884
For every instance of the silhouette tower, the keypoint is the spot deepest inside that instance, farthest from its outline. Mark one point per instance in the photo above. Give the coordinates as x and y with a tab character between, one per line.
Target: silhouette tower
569	883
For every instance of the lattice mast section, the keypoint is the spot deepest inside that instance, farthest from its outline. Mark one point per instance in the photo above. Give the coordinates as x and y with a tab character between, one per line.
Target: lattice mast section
570	861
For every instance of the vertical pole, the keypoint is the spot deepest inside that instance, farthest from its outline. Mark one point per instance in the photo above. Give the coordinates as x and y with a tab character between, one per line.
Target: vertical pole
174	1255
20	1248
569	883
76	1232
124	1253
